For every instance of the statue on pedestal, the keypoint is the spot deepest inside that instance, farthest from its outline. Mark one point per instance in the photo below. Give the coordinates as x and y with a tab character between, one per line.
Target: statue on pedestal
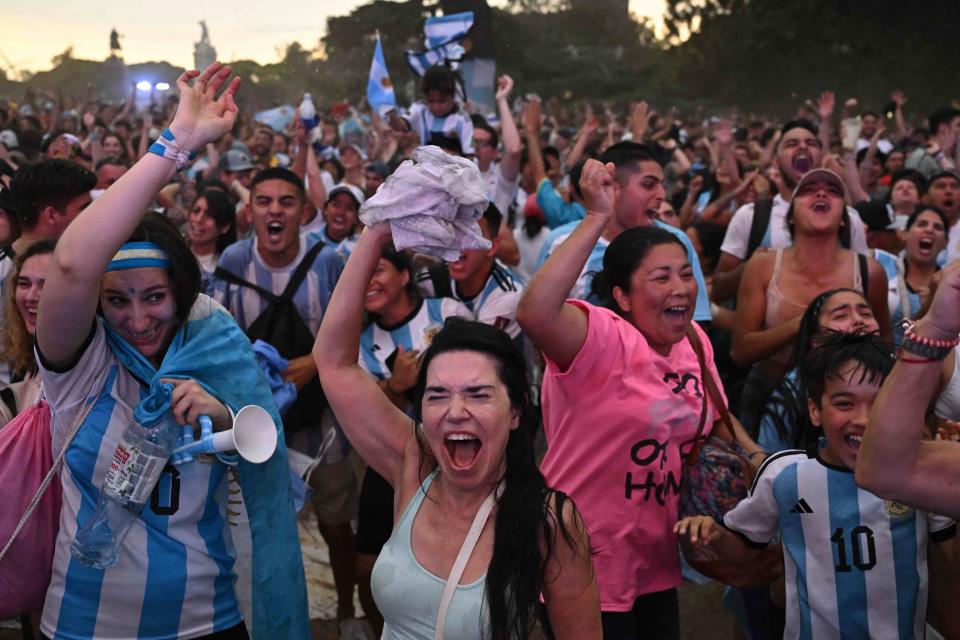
203	51
114	41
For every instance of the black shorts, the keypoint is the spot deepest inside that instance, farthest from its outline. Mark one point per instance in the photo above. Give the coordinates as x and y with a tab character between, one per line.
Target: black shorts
375	519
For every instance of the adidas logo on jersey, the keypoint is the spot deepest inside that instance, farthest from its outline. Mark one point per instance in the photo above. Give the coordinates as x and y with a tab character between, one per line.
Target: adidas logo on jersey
801	507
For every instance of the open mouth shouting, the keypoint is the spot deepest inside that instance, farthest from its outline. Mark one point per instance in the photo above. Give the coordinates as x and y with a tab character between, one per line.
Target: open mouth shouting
275	229
462	449
802	163
821	206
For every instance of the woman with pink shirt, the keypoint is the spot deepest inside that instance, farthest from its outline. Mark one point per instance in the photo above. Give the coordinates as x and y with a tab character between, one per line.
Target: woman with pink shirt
622	398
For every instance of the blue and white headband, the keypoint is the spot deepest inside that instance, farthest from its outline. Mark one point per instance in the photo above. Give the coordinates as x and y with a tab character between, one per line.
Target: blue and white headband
135	255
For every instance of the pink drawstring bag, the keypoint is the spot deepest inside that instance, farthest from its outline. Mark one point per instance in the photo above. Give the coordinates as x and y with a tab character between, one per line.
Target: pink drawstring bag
25	460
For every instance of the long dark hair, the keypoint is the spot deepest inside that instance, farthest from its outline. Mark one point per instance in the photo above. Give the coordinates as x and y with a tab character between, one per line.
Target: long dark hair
621	259
528	511
786	407
223	213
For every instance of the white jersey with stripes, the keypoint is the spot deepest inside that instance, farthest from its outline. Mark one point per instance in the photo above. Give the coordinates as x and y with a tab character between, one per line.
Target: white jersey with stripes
855	565
174	577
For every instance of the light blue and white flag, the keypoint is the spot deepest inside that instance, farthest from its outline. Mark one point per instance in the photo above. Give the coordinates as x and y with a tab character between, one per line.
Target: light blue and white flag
441	30
450	53
380	93
443	35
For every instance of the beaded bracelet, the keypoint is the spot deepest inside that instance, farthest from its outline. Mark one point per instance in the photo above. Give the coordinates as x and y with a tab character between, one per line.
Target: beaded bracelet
933	348
166	147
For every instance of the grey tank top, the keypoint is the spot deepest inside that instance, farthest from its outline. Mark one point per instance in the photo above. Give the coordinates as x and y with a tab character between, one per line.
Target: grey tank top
408	595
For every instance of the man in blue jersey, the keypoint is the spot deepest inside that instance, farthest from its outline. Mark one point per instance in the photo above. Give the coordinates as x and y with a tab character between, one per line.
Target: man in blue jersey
277	285
855	565
482	283
638	194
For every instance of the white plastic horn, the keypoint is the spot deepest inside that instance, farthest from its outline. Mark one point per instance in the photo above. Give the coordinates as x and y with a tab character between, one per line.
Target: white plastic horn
253	436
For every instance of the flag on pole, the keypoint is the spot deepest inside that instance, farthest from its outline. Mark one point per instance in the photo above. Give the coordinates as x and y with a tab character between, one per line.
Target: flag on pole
380	93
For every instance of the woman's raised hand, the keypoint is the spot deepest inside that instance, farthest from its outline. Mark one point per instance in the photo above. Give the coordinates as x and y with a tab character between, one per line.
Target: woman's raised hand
201	116
597	184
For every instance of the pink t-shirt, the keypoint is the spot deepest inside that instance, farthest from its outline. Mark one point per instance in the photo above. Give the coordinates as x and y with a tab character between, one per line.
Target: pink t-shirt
616	423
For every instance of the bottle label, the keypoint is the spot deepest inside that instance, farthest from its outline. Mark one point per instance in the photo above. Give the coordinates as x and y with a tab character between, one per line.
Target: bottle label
132	473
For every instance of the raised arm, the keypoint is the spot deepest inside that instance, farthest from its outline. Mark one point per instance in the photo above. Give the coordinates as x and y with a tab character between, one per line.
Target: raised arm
639	120
510	160
559	329
88	245
531	128
315	186
825	106
723	132
379	430
900	99
586	135
895	461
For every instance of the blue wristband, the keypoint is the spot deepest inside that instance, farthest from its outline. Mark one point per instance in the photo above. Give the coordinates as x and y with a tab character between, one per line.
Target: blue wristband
166	147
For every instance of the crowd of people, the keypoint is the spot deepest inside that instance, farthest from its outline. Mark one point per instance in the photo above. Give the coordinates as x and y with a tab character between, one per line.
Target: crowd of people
496	444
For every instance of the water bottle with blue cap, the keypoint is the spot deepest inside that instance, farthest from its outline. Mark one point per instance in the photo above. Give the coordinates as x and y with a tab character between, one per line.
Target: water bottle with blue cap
139	459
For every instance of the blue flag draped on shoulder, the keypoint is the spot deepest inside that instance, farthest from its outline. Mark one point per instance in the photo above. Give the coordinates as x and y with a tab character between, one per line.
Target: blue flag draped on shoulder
380	93
211	349
443	35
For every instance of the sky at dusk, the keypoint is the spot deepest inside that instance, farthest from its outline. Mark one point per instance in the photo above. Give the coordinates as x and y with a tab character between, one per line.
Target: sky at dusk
33	34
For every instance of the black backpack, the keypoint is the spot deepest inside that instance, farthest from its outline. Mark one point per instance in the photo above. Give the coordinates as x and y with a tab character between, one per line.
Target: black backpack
758	226
439	277
280	325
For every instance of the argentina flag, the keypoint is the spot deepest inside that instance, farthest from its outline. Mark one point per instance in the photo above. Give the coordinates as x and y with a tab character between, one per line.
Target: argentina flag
450	53
380	92
443	29
443	34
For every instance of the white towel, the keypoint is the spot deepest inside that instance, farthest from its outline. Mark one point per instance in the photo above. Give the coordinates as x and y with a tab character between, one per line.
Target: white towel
432	203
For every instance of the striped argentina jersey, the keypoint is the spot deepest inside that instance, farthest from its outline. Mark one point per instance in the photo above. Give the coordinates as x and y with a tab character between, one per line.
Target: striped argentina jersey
496	304
379	344
344	247
311	300
174	577
583	289
456	124
246	305
855	565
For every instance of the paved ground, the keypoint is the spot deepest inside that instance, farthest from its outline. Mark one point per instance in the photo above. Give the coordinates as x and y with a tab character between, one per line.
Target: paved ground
702	614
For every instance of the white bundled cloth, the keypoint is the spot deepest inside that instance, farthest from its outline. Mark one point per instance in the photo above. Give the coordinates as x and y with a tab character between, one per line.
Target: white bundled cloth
432	203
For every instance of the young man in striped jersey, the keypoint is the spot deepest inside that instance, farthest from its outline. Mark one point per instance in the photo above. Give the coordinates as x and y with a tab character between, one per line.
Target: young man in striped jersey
482	283
855	565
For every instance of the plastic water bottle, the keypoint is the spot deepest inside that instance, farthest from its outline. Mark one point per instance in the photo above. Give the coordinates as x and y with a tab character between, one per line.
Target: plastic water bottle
308	112
135	469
